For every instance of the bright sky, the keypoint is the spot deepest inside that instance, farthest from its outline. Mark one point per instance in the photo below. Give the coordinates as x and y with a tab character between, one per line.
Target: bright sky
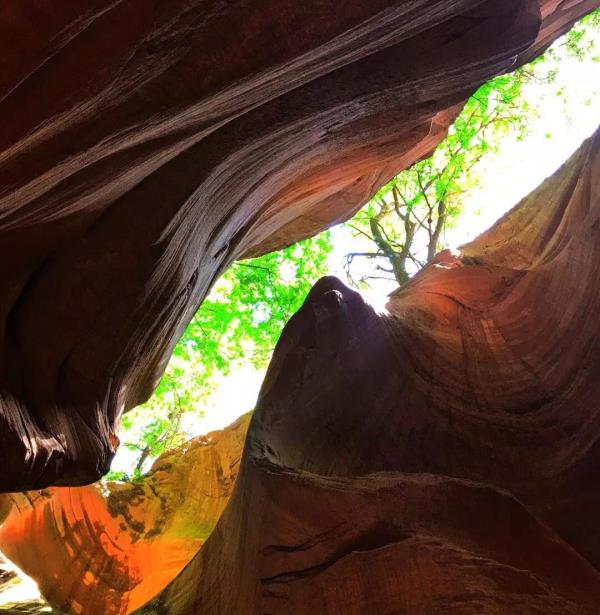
507	177
517	169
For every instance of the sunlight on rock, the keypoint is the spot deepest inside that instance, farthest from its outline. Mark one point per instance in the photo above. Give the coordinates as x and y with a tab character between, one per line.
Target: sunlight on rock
297	307
17	588
376	300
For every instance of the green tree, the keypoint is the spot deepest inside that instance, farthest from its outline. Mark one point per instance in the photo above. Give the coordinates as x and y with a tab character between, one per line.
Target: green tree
406	219
239	323
581	40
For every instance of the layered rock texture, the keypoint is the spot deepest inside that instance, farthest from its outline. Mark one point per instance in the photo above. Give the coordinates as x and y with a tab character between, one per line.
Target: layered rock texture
108	548
145	145
442	458
439	458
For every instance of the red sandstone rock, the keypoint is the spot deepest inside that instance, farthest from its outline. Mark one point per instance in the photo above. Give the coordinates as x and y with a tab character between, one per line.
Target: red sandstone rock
443	458
108	548
439	458
146	145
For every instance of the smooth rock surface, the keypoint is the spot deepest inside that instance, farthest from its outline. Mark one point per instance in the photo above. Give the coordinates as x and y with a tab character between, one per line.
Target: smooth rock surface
442	457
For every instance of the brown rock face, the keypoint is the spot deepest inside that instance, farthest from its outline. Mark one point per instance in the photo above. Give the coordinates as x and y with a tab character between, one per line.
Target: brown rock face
442	458
145	145
108	549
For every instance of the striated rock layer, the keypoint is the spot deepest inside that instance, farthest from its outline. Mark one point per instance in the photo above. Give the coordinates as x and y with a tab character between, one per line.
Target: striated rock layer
108	548
145	145
442	458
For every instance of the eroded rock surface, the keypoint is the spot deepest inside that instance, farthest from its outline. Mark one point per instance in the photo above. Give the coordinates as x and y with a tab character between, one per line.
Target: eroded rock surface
145	145
442	458
108	548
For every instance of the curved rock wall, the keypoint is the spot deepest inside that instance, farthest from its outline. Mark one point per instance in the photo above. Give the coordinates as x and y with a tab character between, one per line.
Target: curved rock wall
145	145
440	458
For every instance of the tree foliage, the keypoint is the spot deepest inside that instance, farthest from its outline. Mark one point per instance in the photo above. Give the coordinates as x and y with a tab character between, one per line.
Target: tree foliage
406	219
239	322
581	40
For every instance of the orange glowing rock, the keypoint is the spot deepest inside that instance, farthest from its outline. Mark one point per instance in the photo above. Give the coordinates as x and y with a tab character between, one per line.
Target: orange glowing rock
108	548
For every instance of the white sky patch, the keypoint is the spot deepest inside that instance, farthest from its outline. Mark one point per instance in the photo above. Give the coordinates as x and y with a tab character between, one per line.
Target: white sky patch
520	167
23	588
236	394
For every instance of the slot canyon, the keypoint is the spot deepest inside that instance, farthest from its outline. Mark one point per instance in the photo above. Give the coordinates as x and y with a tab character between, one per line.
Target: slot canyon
439	457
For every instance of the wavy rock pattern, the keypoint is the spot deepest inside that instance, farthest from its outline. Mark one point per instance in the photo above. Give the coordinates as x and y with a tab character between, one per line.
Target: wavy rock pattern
146	145
108	548
441	458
